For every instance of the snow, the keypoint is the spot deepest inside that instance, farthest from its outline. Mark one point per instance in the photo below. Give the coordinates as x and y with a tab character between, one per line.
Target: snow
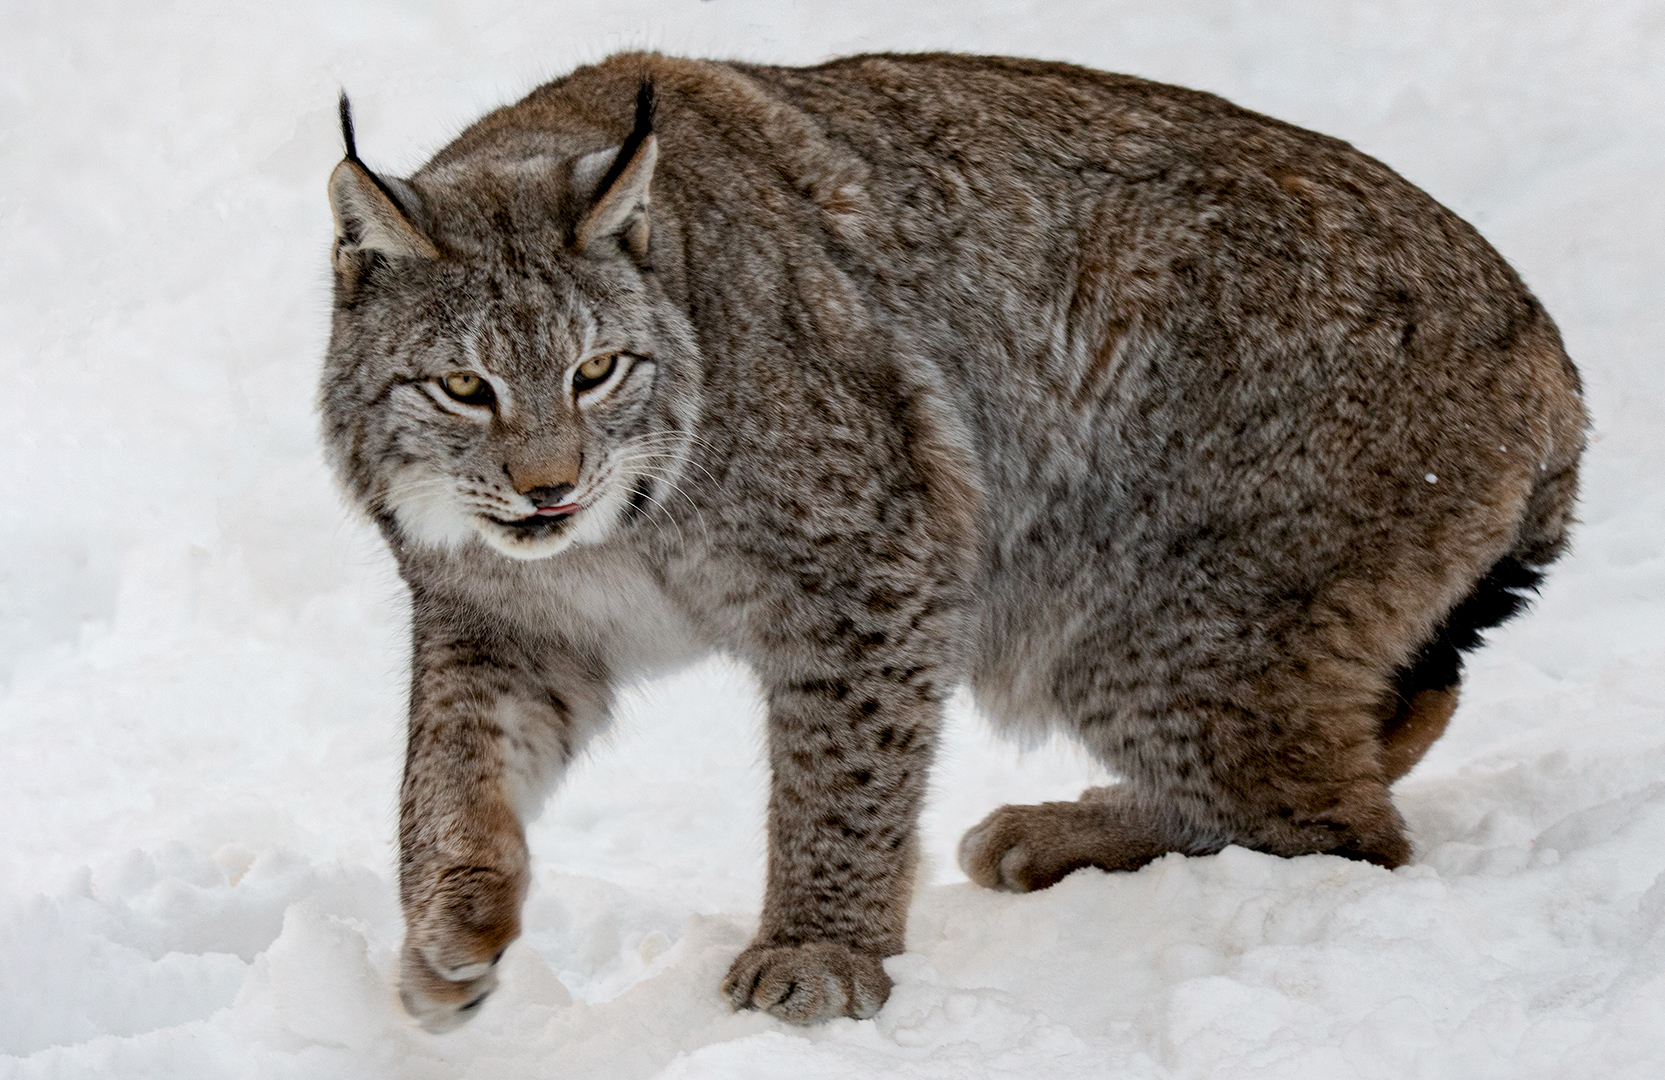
202	653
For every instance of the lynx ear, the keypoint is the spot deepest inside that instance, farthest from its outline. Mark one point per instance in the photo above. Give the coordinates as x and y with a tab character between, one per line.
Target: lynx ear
370	214
619	200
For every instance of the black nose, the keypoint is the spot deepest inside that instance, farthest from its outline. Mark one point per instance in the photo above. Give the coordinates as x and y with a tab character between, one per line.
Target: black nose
548	496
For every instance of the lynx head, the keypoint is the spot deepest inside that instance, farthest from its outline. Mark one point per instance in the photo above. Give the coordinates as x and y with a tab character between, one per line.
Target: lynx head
503	364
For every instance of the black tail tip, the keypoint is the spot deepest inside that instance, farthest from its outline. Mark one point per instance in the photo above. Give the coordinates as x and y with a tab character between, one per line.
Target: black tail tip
1503	593
346	110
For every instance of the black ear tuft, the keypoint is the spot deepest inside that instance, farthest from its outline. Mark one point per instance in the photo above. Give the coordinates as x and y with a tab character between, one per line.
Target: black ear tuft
351	142
347	128
647	106
647	103
619	201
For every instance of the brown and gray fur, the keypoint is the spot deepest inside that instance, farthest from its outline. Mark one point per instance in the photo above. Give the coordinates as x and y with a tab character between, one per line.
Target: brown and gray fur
1207	439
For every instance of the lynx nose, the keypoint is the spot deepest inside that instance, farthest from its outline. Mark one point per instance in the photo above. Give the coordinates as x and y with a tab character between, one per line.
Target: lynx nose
548	496
540	468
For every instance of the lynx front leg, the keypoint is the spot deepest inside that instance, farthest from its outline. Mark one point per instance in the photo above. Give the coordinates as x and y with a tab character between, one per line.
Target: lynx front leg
849	759
487	738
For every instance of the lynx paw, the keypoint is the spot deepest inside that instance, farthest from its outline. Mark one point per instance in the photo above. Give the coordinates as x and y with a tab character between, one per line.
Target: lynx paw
453	940
1018	849
1025	848
807	983
438	1003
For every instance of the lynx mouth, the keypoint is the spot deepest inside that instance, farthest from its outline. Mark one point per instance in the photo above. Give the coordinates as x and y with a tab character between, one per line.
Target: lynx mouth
541	524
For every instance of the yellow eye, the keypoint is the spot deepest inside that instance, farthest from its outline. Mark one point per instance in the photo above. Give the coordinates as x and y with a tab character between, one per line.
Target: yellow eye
594	371
468	388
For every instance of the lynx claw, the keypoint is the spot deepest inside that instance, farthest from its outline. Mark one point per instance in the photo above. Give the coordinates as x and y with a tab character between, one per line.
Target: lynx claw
808	983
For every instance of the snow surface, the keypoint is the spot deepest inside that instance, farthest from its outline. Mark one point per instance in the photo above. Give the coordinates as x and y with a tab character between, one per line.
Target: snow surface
202	652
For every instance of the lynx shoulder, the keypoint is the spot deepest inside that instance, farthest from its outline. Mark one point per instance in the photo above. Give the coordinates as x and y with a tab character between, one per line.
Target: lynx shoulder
1204	438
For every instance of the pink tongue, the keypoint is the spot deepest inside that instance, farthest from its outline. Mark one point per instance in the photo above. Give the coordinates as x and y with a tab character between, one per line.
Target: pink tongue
555	511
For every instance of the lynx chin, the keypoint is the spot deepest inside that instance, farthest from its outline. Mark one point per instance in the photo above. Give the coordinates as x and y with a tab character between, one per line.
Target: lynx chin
1207	439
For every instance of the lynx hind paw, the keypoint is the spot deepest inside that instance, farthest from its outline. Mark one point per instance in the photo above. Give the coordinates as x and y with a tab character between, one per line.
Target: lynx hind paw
1026	848
808	983
1012	850
439	1003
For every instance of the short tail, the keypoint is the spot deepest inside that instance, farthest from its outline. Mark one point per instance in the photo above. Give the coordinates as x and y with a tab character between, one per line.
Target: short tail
1425	690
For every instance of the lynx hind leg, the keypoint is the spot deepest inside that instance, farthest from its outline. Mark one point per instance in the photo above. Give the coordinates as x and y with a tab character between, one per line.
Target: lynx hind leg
1289	761
1025	848
1283	759
1221	778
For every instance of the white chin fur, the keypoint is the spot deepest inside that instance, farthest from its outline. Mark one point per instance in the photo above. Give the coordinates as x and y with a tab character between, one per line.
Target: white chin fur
591	525
427	513
516	546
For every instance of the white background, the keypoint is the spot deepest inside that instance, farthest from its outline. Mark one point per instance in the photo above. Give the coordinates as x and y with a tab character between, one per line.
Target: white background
202	653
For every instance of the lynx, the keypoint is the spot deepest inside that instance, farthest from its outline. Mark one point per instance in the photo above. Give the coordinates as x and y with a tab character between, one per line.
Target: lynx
1203	438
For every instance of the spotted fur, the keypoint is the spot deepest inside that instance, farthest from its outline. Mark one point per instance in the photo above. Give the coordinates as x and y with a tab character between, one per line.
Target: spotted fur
1207	439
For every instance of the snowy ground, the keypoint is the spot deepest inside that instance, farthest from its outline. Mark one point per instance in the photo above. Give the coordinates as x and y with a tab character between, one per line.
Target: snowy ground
201	654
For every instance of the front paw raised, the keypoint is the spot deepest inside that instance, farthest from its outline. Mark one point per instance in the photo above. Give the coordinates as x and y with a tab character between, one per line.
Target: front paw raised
440	1004
807	983
455	934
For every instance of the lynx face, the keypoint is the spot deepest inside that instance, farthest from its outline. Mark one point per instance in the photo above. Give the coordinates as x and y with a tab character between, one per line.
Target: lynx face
482	389
528	432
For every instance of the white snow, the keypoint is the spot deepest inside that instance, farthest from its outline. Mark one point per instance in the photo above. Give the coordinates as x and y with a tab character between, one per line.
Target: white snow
202	652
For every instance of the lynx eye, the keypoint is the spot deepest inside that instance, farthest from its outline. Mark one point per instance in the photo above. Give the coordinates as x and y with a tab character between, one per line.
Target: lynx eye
468	388
593	372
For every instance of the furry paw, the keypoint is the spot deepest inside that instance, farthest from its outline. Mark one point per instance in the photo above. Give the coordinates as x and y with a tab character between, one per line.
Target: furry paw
454	937
807	983
438	1003
1016	848
1025	848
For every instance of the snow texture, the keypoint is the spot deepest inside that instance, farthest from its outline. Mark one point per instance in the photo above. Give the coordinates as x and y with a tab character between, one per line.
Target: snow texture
202	653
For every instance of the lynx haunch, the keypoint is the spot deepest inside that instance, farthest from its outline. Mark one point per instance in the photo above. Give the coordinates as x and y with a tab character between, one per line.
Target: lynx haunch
1204	438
